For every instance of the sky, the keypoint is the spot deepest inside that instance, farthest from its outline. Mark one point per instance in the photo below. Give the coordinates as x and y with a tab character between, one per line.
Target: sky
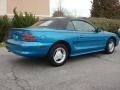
75	7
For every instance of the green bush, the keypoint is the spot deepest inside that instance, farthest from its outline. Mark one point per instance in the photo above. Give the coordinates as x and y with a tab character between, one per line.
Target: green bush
5	24
21	19
110	25
2	45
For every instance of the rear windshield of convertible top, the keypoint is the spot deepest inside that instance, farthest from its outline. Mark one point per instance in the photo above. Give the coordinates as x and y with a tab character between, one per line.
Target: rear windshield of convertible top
53	23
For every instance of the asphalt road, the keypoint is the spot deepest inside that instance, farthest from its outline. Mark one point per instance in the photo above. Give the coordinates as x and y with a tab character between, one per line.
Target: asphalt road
89	72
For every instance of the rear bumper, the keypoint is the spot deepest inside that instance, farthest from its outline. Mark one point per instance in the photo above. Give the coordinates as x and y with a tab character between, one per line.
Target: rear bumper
28	49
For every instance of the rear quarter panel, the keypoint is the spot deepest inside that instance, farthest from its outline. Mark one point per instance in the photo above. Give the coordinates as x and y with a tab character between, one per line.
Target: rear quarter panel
53	36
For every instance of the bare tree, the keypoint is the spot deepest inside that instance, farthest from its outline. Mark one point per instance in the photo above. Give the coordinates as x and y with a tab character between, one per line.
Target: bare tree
60	11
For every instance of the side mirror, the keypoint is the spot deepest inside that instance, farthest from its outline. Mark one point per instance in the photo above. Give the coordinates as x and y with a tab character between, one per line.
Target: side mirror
98	30
118	33
119	30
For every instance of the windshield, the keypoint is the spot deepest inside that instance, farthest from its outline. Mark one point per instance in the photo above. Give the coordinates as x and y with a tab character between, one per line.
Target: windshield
55	24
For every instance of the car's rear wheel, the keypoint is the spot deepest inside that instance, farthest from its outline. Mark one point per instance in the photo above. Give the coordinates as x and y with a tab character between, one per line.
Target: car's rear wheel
110	47
58	54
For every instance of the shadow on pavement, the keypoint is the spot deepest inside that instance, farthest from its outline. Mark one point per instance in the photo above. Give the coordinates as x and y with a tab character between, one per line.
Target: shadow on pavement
42	62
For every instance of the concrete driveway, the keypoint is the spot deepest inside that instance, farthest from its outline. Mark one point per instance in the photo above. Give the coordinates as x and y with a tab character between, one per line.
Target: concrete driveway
89	72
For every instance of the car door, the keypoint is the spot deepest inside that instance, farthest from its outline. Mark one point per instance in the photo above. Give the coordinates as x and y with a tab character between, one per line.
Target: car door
87	39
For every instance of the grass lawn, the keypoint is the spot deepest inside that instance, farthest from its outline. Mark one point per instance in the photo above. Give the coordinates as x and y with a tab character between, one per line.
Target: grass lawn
2	45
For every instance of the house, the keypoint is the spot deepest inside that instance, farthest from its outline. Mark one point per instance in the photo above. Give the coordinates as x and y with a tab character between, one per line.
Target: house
38	7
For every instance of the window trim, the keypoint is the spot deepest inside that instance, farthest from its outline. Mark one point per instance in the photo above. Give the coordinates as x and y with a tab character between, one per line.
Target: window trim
85	22
72	24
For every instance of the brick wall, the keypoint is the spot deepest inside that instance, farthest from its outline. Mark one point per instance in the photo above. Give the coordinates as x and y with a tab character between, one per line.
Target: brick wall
37	7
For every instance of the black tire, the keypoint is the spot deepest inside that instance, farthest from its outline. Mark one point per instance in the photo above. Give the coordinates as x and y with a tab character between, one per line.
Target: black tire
51	56
107	48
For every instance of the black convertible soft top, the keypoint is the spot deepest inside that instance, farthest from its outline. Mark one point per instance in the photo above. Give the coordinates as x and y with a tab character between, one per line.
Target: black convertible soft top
55	22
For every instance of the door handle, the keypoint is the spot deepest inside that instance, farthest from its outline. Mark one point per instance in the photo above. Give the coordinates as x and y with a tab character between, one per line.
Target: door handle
81	36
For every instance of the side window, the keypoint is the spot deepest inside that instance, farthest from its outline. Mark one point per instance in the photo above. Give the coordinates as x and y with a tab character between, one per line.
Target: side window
83	26
70	26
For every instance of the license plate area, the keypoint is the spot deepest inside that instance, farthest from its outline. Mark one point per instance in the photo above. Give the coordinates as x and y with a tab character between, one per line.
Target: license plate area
16	36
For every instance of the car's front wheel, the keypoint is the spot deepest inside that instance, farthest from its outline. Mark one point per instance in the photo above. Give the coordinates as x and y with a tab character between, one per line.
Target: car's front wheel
58	55
110	47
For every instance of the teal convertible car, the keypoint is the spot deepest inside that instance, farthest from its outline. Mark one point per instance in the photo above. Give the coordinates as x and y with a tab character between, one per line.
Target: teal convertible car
59	38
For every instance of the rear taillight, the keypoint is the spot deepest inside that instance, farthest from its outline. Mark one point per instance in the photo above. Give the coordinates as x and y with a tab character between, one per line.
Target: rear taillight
28	37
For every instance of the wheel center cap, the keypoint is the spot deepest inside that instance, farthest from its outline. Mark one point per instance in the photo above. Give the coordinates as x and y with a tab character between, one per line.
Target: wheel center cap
58	55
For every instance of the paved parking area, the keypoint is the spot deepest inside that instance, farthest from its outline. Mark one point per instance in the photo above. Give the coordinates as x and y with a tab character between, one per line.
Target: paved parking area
89	72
